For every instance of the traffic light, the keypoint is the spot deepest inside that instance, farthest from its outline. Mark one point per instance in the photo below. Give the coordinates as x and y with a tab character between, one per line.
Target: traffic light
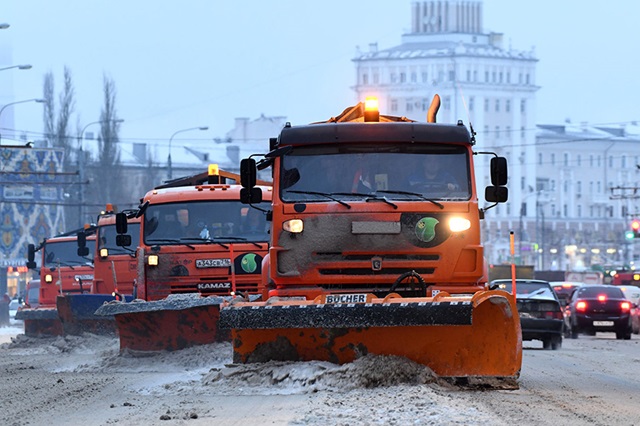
635	227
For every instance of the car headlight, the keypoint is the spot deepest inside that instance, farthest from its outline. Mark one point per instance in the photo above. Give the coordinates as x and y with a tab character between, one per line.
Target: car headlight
152	260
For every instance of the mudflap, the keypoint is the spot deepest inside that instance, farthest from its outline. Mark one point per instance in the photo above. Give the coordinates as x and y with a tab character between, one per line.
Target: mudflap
465	340
40	322
77	314
175	323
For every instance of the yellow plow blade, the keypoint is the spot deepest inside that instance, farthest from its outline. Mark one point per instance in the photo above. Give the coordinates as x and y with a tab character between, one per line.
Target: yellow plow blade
460	338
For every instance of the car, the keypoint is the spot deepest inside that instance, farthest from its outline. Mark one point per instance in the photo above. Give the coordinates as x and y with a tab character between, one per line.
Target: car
564	290
541	314
33	294
632	293
13	308
600	308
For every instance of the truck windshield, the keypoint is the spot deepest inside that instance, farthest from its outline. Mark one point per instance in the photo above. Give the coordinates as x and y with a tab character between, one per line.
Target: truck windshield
65	253
204	222
107	238
436	172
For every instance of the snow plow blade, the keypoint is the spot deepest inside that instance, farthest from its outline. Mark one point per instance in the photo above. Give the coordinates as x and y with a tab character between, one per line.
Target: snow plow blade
171	324
465	340
77	313
40	322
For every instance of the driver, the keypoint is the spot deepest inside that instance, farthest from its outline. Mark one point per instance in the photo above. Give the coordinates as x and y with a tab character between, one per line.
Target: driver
434	174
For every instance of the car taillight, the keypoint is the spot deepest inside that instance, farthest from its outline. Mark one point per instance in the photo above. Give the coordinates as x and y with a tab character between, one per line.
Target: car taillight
581	306
553	315
625	306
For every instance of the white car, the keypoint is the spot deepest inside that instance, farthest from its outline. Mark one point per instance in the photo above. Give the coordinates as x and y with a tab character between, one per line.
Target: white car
13	308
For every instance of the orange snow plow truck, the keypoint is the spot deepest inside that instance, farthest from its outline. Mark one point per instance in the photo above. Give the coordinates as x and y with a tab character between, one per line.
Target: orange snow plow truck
197	244
376	250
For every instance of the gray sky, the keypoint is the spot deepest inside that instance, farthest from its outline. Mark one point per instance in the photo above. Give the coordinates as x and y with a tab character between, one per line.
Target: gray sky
191	63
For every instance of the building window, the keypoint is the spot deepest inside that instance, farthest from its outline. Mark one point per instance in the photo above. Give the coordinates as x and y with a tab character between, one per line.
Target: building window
611	161
598	160
565	210
508	135
522	183
566	159
468	75
553	159
376	78
403	77
365	79
500	77
539	158
394	77
579	187
425	77
591	161
591	211
523	106
522	132
623	163
528	79
508	77
565	186
409	106
394	105
497	131
486	105
414	77
497	105
425	104
552	185
475	76
578	160
507	105
493	76
591	187
471	103
579	211
452	76
599	186
486	76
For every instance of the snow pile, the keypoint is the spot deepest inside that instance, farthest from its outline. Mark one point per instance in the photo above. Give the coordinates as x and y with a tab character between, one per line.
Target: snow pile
273	377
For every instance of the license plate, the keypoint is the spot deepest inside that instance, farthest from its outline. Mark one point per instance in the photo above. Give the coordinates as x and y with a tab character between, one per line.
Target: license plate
345	298
213	263
603	323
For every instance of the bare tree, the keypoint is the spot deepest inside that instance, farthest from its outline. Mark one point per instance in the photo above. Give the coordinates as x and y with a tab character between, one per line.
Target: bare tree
49	109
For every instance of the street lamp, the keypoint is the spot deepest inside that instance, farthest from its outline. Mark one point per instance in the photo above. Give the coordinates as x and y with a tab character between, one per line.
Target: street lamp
20	67
17	102
81	164
170	173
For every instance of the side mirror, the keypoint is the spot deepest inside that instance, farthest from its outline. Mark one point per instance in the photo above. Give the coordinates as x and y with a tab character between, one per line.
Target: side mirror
31	256
248	173
83	250
123	240
496	194
250	195
121	223
498	171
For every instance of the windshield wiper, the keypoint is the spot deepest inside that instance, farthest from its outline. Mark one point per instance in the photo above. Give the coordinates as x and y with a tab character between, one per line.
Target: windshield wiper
415	194
324	194
168	240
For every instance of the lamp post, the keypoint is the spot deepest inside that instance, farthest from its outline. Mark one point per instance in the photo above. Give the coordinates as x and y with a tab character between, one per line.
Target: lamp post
14	103
169	165
81	164
20	67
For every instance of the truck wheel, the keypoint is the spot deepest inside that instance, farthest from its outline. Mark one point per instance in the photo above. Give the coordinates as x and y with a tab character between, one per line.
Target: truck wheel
556	343
546	344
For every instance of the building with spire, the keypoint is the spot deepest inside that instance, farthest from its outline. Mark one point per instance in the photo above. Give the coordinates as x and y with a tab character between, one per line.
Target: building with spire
562	207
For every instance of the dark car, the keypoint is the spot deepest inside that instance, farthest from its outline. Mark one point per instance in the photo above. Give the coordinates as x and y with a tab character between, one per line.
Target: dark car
541	315
600	308
564	290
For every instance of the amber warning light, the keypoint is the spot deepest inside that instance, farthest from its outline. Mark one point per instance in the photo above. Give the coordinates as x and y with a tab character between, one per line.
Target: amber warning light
371	112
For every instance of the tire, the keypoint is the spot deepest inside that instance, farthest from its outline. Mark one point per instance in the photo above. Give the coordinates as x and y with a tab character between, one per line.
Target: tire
627	334
546	344
619	335
556	343
574	333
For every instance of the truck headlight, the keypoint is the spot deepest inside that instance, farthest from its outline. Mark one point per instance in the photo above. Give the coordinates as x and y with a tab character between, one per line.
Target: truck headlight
459	224
104	252
152	260
48	278
295	226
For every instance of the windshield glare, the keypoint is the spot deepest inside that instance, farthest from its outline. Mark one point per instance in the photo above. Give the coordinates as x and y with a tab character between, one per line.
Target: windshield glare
438	172
194	222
